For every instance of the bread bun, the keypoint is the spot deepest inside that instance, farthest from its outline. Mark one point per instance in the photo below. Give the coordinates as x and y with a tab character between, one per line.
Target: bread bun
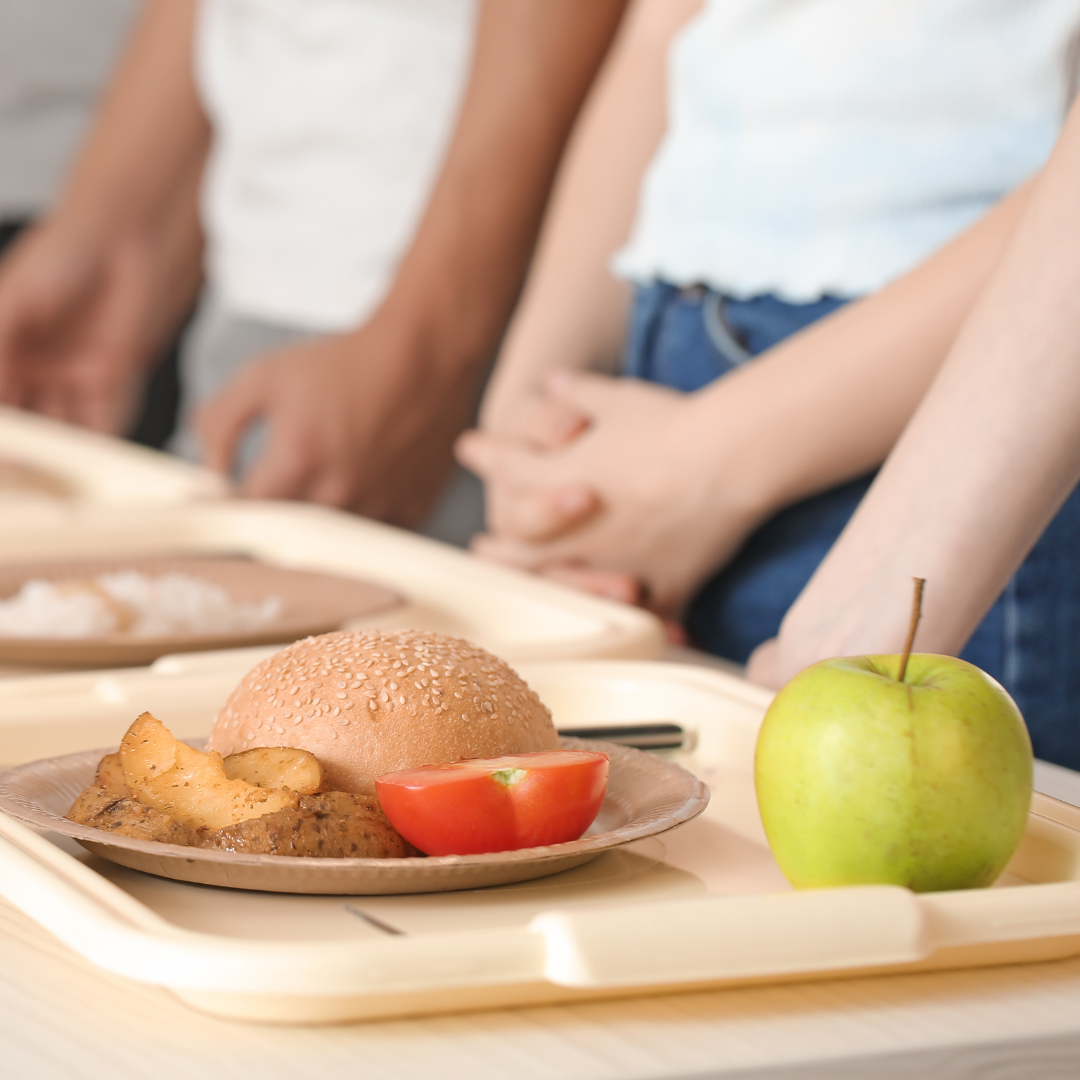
371	702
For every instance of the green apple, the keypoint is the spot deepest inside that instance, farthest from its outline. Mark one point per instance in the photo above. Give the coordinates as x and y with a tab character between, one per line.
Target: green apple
865	779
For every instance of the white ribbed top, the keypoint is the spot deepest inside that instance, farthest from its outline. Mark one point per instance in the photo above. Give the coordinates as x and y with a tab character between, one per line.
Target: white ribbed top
826	146
330	120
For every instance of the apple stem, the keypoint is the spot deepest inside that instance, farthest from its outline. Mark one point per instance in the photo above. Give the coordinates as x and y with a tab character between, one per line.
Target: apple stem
916	615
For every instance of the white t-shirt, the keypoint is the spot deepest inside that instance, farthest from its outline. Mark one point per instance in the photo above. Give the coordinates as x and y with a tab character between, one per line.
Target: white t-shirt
330	120
826	146
55	57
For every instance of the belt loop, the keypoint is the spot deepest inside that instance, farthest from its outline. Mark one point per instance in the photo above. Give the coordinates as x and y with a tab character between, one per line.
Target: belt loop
712	312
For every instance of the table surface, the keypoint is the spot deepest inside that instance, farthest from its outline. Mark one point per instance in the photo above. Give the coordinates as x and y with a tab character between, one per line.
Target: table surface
60	1017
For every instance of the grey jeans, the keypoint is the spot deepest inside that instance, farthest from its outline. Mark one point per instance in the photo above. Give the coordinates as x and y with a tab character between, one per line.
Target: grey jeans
217	347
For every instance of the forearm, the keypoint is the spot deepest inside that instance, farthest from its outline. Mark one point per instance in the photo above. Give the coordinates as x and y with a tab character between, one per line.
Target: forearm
534	61
988	459
828	405
573	311
175	243
150	132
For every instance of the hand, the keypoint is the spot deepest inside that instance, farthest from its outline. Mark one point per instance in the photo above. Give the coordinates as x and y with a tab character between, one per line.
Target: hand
849	607
543	421
778	660
364	421
76	327
765	666
654	464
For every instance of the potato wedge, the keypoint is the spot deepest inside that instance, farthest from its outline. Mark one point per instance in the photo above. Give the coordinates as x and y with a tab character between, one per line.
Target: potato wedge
189	785
147	749
276	766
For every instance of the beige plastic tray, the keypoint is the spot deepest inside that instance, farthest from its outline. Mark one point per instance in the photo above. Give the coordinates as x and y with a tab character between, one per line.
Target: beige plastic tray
73	464
702	906
515	615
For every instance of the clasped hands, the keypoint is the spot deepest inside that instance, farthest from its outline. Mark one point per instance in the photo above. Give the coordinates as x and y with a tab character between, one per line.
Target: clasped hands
617	486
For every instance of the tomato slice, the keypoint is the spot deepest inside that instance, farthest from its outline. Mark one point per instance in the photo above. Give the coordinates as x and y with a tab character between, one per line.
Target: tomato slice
496	804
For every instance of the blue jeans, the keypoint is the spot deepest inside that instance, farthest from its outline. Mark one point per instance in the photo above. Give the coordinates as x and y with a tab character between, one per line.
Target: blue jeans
1030	639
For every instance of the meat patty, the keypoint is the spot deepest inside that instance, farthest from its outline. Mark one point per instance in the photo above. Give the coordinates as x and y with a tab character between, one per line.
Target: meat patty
329	824
109	805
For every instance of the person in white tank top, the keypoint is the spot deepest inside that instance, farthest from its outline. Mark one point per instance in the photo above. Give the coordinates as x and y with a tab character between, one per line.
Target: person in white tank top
369	205
330	122
816	150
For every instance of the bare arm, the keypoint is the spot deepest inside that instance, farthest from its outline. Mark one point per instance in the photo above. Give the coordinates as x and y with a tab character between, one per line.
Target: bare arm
573	310
987	460
534	62
828	404
150	132
88	296
670	508
367	419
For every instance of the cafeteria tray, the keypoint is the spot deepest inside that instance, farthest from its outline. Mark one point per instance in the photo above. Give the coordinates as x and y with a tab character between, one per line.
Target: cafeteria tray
701	907
516	615
45	464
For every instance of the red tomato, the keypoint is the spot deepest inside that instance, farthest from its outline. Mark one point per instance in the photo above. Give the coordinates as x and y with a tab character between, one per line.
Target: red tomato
496	804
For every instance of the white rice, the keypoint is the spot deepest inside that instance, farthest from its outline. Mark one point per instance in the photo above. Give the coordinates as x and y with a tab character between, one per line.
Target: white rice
131	602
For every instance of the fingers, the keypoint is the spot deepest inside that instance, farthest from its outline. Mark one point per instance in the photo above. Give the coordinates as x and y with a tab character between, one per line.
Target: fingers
584	392
285	470
55	399
612	584
524	502
763	665
495	458
548	423
540	515
609	584
328	489
15	386
10	390
521	554
222	421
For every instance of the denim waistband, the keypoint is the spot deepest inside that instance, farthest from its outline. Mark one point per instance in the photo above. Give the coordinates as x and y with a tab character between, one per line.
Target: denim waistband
685	337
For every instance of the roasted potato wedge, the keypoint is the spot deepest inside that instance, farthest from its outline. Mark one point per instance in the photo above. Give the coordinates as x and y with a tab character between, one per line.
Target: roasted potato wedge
189	785
277	766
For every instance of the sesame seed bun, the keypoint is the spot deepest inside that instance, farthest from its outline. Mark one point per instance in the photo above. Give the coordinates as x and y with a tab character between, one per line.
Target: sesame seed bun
371	702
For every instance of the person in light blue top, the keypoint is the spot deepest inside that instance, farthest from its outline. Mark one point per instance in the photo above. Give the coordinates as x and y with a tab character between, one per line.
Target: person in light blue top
811	152
823	147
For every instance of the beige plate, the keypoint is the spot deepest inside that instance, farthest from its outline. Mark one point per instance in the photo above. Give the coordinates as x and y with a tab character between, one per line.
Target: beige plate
646	795
312	603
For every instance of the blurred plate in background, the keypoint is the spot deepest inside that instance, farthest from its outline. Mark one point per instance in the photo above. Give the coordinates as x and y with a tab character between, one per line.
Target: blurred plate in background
311	603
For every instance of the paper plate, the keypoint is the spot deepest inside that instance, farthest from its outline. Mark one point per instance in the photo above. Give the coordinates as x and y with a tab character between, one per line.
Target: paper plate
646	795
312	603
